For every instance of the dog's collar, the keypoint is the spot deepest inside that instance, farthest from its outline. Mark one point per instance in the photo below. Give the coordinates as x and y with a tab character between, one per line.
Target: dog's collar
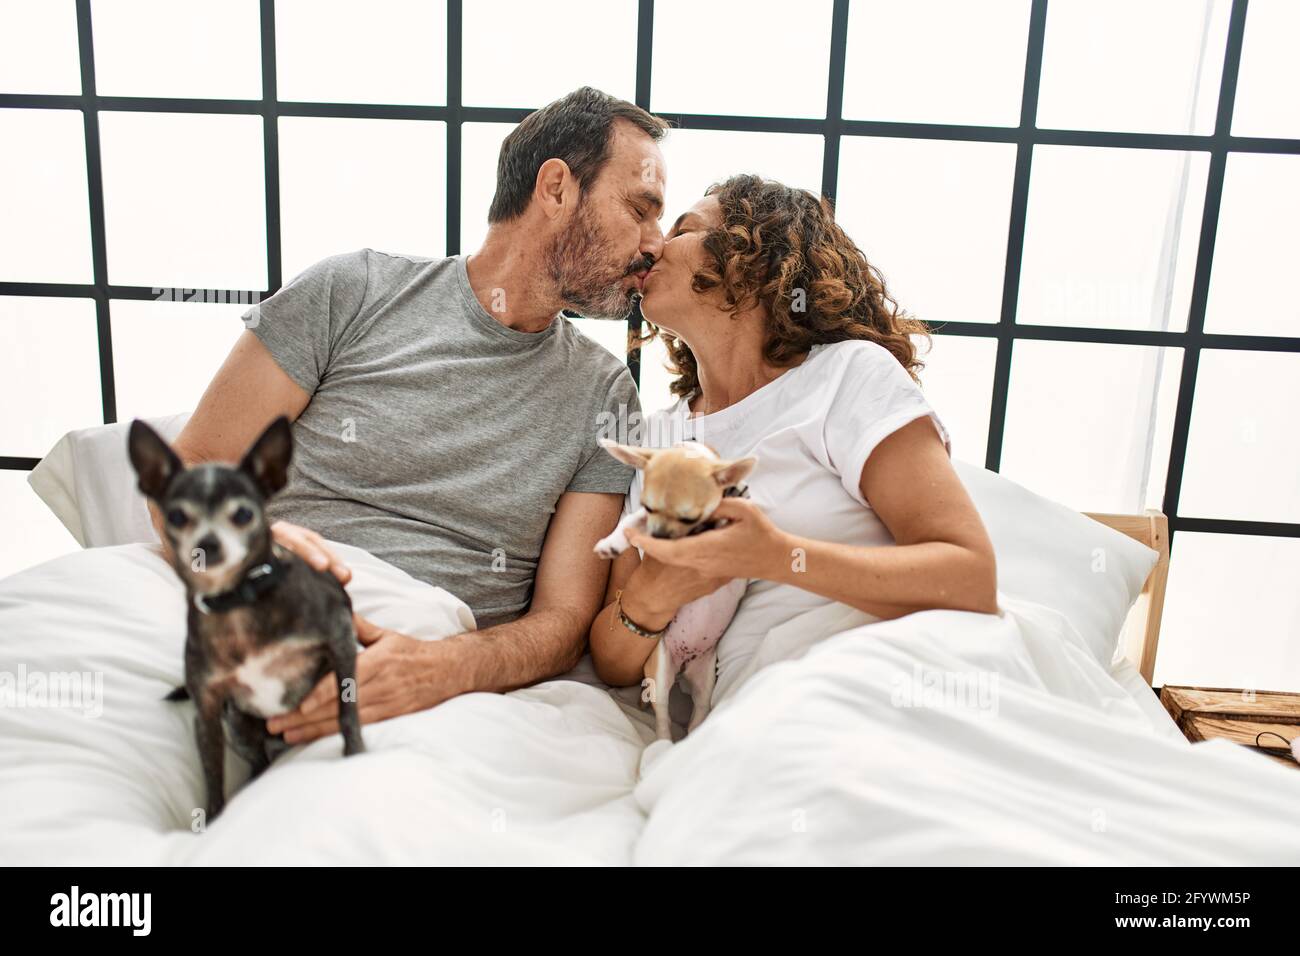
259	579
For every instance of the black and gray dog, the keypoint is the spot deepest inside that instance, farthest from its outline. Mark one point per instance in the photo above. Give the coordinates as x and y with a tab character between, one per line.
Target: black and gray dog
264	626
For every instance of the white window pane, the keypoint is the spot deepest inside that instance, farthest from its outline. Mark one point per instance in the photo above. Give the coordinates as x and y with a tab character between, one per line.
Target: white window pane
958	383
32	533
480	145
655	377
974	66
1243	460
184	200
1267	104
38	47
698	158
351	183
1252	280
1111	237
182	48
933	217
741	57
1082	422
49	369
387	51
1231	613
610	334
166	353
44	209
1150	67
524	54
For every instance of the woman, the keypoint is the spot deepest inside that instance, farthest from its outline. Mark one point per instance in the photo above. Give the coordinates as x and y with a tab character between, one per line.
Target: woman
788	347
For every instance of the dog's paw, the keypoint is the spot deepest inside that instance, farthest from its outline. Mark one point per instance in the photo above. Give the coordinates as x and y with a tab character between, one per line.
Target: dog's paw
607	548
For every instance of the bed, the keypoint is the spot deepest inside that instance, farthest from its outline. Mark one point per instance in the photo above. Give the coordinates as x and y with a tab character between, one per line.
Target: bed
943	737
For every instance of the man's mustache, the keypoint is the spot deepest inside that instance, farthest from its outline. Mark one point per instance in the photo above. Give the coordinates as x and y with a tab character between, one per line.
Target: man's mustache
640	265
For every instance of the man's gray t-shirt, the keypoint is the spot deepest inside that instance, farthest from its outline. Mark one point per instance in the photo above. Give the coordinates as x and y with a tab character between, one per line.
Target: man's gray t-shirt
436	437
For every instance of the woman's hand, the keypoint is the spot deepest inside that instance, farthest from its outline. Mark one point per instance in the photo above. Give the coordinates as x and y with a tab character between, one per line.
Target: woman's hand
750	546
656	590
311	547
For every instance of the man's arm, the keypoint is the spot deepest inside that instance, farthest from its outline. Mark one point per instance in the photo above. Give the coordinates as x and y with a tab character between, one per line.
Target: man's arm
397	674
567	592
249	391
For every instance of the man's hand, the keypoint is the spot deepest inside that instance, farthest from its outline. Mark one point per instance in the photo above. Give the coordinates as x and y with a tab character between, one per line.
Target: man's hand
311	547
396	675
303	542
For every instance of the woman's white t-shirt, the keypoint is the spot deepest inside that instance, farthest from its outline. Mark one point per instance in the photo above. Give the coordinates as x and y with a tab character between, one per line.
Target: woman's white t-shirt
812	429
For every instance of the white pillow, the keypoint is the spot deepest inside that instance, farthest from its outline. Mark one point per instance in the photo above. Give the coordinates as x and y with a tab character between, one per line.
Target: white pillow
1047	553
88	482
1055	556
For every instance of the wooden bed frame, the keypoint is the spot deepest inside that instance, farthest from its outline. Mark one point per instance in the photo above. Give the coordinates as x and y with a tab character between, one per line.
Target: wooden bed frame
1141	633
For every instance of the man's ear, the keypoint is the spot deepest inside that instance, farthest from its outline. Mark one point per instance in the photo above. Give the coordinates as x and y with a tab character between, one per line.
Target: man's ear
628	454
152	458
267	462
555	187
729	473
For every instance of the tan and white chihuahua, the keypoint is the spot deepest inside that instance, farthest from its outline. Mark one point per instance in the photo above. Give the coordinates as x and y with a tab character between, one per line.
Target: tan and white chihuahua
680	489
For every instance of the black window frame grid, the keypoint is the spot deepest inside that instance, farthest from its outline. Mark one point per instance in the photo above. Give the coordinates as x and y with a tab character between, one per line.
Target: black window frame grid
1006	331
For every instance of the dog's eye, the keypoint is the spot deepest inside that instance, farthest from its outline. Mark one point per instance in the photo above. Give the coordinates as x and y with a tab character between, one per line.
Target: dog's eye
648	509
177	518
242	516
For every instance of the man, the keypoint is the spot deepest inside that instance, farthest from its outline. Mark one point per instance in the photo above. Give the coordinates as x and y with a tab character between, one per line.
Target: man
446	416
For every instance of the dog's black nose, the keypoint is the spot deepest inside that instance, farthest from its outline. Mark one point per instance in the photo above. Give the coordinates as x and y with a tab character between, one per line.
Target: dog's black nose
210	547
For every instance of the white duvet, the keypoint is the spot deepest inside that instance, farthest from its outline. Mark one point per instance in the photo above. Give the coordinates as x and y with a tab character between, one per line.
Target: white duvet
942	737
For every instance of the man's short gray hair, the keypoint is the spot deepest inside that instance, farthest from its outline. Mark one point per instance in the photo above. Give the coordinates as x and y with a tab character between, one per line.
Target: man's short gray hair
575	128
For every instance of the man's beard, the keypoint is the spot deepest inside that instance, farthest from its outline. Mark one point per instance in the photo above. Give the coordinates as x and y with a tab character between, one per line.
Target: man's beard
587	283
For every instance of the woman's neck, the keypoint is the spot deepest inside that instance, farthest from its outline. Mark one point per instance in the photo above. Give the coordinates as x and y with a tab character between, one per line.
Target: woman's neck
730	370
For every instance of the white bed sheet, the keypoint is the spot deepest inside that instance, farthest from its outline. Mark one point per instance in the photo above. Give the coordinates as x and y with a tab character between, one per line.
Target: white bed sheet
820	760
1130	680
812	760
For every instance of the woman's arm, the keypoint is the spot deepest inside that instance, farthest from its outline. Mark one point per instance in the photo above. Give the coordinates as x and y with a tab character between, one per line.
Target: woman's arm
942	556
652	593
613	654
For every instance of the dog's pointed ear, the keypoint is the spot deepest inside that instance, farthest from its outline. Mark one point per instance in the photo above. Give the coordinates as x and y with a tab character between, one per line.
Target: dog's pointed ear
152	458
729	473
632	455
267	462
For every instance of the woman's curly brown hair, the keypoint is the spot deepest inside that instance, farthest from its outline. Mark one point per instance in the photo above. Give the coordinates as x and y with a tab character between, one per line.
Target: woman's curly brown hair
781	247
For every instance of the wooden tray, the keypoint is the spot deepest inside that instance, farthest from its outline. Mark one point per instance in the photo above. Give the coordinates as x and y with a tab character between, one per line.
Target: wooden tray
1209	713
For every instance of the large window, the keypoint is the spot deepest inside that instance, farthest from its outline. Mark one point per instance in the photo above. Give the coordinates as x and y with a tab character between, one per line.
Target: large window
1091	201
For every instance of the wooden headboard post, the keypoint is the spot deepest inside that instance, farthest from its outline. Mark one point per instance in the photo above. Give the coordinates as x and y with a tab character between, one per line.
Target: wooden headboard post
1141	634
